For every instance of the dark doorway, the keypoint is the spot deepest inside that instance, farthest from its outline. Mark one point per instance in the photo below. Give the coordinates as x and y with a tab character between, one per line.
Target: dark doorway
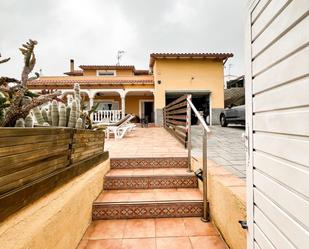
148	111
200	101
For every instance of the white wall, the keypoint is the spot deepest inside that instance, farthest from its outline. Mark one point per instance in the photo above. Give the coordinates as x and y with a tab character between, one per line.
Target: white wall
278	124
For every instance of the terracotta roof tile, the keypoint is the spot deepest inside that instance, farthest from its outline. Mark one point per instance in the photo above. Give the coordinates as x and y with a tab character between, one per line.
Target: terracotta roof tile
75	73
155	56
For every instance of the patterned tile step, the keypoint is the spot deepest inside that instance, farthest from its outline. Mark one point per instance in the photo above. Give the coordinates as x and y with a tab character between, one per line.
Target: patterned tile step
150	181
140	210
149	162
149	172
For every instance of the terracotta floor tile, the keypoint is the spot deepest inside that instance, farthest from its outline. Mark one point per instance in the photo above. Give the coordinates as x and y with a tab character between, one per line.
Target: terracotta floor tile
190	194
113	197
167	171
104	244
120	172
167	227
196	227
149	243
142	196
208	242
106	229
168	195
143	172
140	228
173	243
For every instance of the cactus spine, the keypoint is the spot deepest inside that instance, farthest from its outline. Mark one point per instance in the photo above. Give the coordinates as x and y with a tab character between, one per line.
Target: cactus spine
29	121
38	115
55	113
62	115
20	123
73	115
79	123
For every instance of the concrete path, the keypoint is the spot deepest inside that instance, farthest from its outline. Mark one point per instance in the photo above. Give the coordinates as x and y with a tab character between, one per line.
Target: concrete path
225	147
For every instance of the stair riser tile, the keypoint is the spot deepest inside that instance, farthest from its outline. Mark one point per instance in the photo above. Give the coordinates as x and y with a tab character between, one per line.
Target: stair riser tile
149	182
144	163
147	210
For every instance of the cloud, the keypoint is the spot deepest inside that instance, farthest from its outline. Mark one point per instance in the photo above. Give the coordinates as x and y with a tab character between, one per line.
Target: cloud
92	31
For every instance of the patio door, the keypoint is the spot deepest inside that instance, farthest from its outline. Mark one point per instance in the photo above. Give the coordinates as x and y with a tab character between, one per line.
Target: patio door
277	124
147	110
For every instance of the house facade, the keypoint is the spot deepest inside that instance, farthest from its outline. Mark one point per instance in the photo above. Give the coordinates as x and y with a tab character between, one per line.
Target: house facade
122	89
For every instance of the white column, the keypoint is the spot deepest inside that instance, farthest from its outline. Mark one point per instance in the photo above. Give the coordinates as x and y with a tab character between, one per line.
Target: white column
90	102
123	106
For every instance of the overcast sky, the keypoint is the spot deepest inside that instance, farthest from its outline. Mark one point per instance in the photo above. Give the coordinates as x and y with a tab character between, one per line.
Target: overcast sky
92	31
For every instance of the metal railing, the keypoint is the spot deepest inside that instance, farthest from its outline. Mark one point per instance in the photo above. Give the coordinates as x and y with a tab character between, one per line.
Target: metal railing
106	116
177	120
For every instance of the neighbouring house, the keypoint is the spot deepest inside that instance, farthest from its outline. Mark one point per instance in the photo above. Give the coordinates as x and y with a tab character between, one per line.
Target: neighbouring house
122	89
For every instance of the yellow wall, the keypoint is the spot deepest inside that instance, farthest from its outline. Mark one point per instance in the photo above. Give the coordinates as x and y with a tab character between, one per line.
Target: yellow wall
90	72
132	104
121	72
176	74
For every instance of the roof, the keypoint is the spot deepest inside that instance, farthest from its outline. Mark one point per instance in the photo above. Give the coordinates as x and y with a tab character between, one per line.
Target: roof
75	73
155	56
106	67
55	81
141	72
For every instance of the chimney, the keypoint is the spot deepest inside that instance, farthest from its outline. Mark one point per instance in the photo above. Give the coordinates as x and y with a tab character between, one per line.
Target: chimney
71	65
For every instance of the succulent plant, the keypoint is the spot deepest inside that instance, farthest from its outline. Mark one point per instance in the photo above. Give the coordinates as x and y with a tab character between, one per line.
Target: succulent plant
68	111
79	124
73	115
29	121
49	116
46	124
20	123
44	114
62	115
55	113
38	115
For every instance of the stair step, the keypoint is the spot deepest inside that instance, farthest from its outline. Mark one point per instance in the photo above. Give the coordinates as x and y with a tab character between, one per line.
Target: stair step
149	162
149	179
151	203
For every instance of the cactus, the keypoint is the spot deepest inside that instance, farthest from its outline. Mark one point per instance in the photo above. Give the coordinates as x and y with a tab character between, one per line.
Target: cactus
46	124
68	111
77	91
49	116
73	115
78	107
29	121
79	124
55	113
62	115
20	123
44	115
38	115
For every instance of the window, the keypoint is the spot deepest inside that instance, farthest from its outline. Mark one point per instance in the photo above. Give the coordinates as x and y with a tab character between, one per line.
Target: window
106	73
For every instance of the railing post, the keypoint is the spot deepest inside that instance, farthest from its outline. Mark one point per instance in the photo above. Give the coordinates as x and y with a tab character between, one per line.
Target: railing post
189	145
205	217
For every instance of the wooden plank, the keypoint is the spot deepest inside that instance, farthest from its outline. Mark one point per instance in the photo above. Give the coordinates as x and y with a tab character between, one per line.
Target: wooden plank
183	110
17	132
15	200
288	121
81	145
272	232
288	18
288	227
14	163
13	141
285	172
282	73
261	238
29	148
280	146
87	148
174	122
176	101
273	9
177	137
176	117
178	106
258	10
19	178
281	97
288	44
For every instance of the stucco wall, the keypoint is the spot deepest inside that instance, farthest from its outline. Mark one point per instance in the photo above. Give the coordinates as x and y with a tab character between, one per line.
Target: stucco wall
57	220
132	104
227	201
189	74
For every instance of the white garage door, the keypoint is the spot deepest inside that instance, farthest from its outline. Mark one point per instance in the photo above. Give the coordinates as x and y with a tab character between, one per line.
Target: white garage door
277	94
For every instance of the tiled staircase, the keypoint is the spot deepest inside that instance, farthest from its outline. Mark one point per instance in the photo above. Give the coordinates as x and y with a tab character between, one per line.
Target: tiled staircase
148	188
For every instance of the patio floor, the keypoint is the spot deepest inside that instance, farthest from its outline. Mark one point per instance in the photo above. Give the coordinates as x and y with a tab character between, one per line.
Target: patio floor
146	142
161	233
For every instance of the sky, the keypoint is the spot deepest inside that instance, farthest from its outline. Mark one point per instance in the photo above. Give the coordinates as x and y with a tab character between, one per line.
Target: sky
92	31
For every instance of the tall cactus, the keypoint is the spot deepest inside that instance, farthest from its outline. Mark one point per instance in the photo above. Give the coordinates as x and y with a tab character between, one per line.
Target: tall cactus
55	113
38	115
44	114
73	115
62	115
29	121
68	111
20	123
49	116
79	124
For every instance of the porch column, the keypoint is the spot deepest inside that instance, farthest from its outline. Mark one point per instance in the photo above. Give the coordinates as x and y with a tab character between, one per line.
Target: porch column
123	106
90	102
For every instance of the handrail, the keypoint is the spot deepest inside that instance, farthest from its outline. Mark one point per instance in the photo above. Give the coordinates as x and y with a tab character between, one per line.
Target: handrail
206	129
205	126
